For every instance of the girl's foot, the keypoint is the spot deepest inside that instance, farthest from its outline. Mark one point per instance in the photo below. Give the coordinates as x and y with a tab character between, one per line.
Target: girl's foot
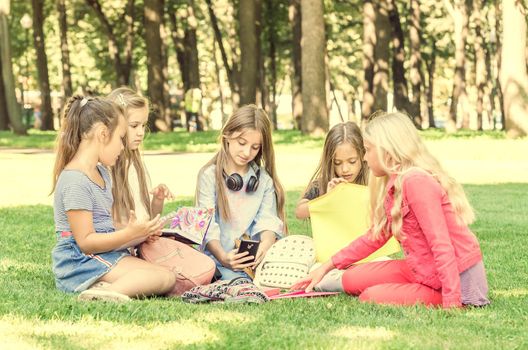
103	295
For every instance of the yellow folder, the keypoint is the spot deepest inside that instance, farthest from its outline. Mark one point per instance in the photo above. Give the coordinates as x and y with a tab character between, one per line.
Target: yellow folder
340	216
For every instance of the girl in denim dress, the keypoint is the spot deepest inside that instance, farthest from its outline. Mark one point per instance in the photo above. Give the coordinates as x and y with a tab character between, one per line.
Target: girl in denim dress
241	183
90	255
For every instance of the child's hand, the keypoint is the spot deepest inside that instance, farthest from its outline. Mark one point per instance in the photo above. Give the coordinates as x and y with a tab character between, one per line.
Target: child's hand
237	261
307	283
161	192
262	250
143	229
334	182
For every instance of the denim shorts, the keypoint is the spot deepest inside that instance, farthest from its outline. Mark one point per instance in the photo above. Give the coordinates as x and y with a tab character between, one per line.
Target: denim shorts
75	271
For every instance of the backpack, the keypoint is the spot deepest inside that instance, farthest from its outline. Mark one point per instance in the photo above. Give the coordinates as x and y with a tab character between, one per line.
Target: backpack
191	267
287	261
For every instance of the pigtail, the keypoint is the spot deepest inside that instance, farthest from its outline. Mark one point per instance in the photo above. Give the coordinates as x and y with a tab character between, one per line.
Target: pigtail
68	138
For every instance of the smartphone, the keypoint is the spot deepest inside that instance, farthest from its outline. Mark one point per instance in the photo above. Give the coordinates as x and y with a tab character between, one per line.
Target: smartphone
249	246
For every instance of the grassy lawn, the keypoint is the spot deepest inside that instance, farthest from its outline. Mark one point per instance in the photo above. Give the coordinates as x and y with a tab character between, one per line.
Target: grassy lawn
182	141
33	314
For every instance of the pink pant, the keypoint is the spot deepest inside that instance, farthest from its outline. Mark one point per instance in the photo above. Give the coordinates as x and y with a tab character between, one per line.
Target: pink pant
388	282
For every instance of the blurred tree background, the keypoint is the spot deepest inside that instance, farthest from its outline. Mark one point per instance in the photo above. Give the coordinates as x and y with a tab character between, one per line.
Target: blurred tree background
453	64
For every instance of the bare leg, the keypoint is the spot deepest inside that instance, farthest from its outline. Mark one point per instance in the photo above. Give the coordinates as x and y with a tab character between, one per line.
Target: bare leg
136	278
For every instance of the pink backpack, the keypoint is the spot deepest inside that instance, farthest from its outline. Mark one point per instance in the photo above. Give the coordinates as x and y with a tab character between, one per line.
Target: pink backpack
192	268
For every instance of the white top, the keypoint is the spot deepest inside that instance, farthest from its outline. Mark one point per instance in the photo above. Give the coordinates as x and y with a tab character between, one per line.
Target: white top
142	213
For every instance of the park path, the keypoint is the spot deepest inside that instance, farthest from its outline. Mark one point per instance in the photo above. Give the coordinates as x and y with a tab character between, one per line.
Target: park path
25	175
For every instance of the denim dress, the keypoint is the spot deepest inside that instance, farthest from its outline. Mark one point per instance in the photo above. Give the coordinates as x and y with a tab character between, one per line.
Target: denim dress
75	271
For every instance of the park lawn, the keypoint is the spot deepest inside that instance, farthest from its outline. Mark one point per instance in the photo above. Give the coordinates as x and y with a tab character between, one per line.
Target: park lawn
33	314
182	141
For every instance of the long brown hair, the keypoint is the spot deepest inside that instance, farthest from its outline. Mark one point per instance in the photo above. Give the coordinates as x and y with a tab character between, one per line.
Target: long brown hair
248	117
123	200
341	133
80	115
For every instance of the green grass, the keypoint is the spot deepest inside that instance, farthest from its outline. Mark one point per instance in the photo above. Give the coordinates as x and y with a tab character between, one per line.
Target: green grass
33	314
182	141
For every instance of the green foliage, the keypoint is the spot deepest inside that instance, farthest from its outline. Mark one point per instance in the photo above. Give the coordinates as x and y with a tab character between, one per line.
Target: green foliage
34	314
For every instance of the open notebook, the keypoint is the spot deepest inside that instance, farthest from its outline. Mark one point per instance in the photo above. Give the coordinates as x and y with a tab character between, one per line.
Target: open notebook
340	216
186	224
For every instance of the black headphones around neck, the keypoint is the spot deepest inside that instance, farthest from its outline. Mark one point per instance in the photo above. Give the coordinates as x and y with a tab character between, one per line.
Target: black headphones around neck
234	182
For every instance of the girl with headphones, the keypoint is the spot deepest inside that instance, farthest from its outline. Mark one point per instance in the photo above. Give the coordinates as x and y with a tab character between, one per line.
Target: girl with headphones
241	183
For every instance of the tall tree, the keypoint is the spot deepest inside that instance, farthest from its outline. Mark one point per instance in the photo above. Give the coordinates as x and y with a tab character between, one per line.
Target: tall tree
416	63
191	48
381	56
231	68
67	88
459	14
42	64
399	82
272	55
248	51
7	79
4	115
369	43
431	66
315	112
153	17
480	61
513	76
296	80
122	65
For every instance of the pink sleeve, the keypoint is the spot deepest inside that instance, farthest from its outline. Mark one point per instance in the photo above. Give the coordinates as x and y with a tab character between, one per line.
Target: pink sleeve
424	197
359	249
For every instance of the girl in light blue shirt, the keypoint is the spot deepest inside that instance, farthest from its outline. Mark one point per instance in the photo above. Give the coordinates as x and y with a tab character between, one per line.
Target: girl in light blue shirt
241	183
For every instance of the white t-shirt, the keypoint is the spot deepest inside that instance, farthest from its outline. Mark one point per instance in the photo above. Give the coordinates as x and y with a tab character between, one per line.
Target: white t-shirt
142	213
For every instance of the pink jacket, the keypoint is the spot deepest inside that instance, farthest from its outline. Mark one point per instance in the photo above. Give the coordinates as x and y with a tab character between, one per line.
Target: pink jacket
436	247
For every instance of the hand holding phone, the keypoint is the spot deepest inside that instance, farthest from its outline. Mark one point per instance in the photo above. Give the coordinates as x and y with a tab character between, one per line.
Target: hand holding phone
249	246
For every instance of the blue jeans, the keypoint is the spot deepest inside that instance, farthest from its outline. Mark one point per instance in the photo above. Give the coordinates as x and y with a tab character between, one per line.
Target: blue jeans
228	274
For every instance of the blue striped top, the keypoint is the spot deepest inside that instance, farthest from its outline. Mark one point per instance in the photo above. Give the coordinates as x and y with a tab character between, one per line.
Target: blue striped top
76	191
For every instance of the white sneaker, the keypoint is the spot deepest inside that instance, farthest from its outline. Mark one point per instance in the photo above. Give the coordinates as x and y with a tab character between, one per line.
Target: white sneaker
103	295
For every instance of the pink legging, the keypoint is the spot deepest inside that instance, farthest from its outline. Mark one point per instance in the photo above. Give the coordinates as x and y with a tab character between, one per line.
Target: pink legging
388	282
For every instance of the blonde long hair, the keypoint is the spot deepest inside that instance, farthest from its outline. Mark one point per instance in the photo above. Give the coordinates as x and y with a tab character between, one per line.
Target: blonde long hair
342	133
253	118
80	115
400	149
123	200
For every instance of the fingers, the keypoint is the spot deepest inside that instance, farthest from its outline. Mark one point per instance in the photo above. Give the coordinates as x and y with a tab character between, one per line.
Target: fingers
132	216
301	284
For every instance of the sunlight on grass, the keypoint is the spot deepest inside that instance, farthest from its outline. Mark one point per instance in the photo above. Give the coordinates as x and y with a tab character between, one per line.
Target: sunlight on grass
517	292
364	333
17	333
6	264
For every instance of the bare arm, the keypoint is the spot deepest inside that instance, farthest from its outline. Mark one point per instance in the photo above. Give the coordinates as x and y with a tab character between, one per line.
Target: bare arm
90	242
301	211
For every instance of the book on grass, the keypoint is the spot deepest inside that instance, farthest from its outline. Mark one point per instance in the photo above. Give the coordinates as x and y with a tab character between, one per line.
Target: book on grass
188	224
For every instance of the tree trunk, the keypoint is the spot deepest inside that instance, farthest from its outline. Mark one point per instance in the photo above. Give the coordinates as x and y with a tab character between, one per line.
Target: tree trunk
179	45
191	49
42	65
513	76
460	19
230	68
248	51
498	57
416	62
6	73
315	112
382	56
4	115
155	81
369	42
114	49
67	89
401	96
296	81
480	62
431	66
272	54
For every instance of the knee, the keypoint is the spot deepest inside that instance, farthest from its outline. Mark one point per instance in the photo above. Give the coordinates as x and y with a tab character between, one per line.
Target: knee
168	280
372	294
